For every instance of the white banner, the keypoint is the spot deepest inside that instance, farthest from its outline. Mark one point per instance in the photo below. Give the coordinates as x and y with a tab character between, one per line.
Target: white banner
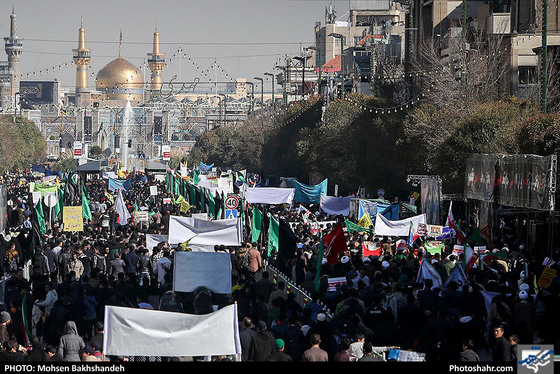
269	195
145	332
204	235
202	269
336	205
397	228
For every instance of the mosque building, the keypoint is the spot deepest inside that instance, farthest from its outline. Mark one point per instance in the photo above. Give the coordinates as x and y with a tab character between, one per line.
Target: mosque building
93	113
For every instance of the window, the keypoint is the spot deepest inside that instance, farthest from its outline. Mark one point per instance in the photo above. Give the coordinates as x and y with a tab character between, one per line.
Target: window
527	75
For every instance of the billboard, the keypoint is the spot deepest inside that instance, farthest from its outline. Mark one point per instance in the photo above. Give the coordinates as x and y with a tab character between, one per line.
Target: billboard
40	92
520	180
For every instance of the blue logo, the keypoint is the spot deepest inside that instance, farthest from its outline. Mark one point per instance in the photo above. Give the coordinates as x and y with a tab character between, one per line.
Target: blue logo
535	359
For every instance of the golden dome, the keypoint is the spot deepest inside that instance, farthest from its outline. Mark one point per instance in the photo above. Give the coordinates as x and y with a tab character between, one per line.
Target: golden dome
121	80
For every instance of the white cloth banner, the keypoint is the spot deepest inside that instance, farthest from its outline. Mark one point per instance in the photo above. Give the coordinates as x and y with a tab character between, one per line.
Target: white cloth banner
145	332
202	269
120	208
153	240
269	195
204	235
427	271
336	205
397	228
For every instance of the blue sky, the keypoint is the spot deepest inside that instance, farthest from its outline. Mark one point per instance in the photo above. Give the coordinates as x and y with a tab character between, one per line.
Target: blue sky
225	39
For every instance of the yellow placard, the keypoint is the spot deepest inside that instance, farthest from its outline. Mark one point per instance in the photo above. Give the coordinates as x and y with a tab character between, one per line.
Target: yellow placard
546	277
72	218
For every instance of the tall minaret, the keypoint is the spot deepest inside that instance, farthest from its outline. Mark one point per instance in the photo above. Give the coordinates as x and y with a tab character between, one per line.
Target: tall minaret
82	57
156	61
13	47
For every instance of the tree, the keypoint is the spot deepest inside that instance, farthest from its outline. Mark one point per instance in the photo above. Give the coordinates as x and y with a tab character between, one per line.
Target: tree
463	70
95	152
21	143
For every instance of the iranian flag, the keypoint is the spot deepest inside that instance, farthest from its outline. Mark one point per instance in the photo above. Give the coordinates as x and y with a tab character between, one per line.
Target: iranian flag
470	258
452	225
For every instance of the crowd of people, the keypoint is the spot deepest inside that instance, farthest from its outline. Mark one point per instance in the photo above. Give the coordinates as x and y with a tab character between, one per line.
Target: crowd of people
55	311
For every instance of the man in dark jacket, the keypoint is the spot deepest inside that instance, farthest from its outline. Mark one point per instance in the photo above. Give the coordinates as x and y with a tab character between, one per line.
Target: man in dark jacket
500	346
39	261
279	354
262	344
246	336
130	258
52	261
144	267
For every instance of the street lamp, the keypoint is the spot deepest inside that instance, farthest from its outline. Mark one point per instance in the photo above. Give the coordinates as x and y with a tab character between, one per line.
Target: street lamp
342	42
252	94
317	65
302	59
262	90
272	78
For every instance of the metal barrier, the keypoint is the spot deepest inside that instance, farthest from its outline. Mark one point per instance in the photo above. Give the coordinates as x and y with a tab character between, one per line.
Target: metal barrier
302	297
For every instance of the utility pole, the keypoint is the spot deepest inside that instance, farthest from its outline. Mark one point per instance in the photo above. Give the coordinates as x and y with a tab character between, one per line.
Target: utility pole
372	61
271	75
544	78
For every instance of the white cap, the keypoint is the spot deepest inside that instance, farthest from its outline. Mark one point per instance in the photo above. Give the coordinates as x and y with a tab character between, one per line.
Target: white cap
323	261
465	319
321	317
523	286
434	261
385	264
344	259
523	294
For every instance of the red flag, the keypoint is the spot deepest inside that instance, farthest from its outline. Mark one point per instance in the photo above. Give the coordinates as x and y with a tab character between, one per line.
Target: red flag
370	249
335	243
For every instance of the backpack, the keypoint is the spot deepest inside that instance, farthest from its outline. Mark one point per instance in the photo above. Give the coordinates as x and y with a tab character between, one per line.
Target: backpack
244	261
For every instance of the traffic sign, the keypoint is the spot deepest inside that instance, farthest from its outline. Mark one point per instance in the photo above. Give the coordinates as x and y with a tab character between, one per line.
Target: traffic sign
51	201
231	213
232	202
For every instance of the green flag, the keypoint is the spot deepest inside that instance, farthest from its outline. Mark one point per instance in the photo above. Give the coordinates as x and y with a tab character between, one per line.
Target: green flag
86	212
202	202
351	226
433	247
211	205
196	178
240	176
273	235
476	237
256	226
192	194
59	204
319	263
40	217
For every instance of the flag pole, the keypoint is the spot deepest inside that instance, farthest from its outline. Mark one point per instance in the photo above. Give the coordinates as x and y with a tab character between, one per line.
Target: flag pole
319	262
